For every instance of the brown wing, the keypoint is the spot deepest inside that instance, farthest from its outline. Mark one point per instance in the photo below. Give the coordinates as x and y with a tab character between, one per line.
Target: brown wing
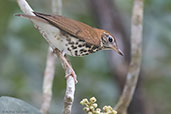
73	27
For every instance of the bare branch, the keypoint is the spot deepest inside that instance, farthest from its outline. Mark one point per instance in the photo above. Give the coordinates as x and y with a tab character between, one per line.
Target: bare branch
49	72
50	68
136	53
48	81
24	6
57	7
69	95
70	83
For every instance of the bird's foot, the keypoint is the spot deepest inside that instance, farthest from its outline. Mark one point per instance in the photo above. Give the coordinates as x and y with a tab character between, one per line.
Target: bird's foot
67	66
72	73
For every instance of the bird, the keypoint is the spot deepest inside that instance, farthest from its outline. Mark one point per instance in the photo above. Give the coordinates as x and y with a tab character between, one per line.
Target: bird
72	37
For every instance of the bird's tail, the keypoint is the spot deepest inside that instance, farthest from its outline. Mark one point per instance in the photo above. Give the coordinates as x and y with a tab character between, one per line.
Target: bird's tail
33	18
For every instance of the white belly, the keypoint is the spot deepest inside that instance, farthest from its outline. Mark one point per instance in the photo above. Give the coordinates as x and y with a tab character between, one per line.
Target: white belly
55	38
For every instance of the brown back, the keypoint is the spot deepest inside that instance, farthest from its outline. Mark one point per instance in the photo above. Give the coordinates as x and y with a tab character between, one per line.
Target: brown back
73	27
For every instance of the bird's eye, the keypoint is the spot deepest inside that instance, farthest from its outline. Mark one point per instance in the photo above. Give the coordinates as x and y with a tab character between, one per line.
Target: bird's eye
110	39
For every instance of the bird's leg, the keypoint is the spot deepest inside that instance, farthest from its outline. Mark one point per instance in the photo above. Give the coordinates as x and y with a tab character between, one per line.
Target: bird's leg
71	71
66	64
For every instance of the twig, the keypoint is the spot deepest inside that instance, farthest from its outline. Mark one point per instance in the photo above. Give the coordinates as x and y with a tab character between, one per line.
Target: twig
70	89
50	68
24	6
57	7
136	53
70	83
48	82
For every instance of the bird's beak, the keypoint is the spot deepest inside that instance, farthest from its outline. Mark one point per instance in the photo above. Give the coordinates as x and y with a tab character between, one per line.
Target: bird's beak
118	51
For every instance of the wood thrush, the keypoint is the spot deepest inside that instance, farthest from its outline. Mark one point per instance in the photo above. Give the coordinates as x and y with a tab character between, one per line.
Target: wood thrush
72	37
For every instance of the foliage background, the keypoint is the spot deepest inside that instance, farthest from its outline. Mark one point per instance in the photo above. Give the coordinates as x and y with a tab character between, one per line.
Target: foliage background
23	56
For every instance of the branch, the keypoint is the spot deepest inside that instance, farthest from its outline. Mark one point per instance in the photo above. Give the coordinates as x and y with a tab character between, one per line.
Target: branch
57	7
70	89
50	68
136	53
48	81
70	83
24	6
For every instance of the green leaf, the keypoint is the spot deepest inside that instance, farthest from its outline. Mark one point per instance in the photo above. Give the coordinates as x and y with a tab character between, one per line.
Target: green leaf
9	105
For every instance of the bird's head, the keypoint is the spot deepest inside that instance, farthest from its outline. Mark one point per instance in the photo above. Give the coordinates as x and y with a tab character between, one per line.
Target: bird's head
108	41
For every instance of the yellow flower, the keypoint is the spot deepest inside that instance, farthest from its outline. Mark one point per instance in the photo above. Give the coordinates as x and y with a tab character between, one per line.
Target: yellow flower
93	100
84	102
91	107
86	109
89	113
95	105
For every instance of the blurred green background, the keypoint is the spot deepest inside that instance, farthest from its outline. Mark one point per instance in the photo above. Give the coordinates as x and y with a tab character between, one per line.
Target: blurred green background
23	54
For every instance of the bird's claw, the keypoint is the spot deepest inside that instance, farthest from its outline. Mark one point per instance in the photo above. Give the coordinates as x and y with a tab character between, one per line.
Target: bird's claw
72	73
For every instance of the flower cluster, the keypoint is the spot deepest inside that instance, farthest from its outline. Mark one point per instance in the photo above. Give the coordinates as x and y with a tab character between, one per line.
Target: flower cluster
91	107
